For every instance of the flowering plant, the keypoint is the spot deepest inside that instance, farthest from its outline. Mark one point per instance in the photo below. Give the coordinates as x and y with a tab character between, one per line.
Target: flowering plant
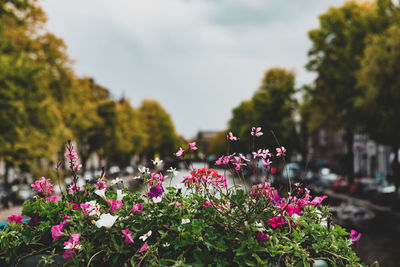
201	221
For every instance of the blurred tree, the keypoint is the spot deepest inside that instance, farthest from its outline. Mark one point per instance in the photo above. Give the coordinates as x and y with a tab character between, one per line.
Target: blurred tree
274	106
218	144
271	108
379	76
159	129
337	48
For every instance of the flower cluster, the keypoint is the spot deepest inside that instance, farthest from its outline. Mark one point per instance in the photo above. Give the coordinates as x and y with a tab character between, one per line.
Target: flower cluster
44	186
203	177
207	224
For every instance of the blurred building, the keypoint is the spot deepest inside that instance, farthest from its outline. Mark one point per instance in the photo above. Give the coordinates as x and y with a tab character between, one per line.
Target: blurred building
328	149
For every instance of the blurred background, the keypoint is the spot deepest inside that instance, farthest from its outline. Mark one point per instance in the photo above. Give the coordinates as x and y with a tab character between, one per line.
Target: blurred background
129	81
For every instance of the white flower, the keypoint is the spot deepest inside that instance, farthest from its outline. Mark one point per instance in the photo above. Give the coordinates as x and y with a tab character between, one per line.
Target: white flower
296	217
101	193
144	170
173	171
179	186
185	221
157	161
145	236
95	210
157	199
165	245
120	195
260	226
69	246
106	220
116	181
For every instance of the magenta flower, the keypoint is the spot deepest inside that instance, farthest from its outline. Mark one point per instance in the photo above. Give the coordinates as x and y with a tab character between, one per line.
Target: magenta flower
136	207
318	200
128	236
115	205
280	151
261	237
56	231
156	191
192	146
101	184
238	163
231	137
74	205
180	153
143	248
275	222
52	198
71	245
15	218
43	185
355	236
66	220
219	161
256	131
257	154
206	203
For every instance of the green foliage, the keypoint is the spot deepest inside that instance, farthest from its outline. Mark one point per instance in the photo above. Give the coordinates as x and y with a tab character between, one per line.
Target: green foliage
223	235
272	108
379	77
159	128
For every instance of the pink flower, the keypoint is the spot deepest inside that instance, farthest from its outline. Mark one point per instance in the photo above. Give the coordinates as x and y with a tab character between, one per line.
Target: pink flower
192	146
180	153
354	237
52	198
256	131
280	151
231	137
206	203
265	153
74	205
115	205
101	184
66	220
136	207
15	218
275	222
128	236
261	237
56	231
143	248
318	200
238	163
73	157
257	154
219	160
43	185
266	162
72	188
71	245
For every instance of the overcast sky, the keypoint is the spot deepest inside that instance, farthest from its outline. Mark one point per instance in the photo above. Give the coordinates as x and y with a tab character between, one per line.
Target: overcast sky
199	59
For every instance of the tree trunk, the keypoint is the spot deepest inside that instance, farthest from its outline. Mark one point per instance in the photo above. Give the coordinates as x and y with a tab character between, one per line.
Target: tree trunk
5	178
396	174
350	155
